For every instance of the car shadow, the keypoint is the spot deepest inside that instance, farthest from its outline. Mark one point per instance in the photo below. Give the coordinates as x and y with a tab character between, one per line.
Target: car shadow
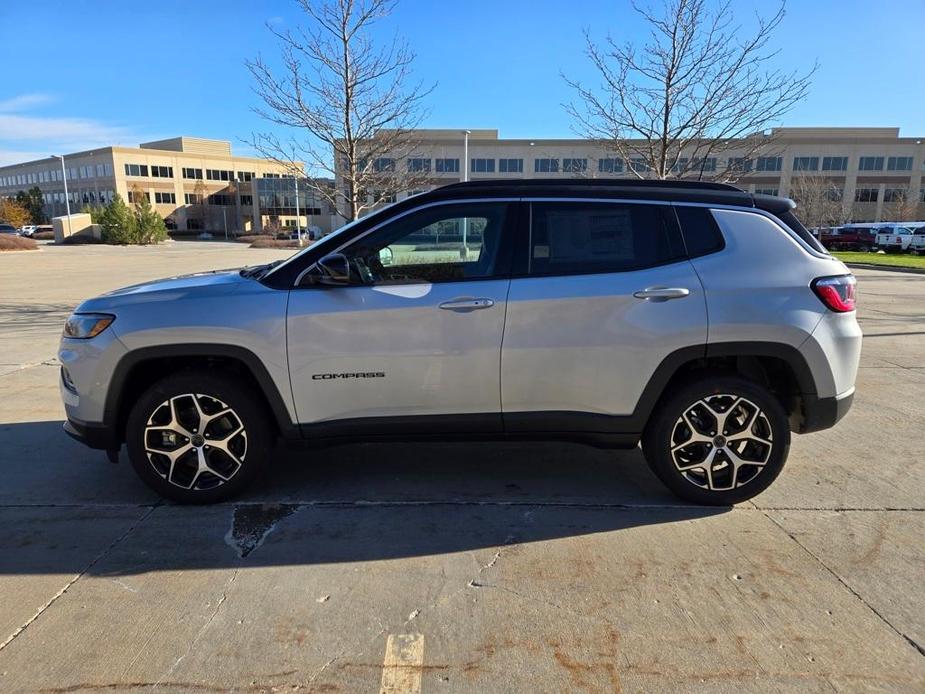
67	510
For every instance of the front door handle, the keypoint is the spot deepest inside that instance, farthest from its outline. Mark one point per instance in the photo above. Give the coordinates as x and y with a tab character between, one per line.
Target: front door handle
662	293
465	305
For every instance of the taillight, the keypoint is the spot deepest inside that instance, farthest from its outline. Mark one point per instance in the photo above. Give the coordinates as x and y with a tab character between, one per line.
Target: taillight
838	293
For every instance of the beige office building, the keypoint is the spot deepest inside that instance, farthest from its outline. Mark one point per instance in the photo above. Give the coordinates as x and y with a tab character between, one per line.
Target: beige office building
873	172
193	183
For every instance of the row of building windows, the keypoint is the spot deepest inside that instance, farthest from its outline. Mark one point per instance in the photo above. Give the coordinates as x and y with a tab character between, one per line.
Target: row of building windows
156	171
74	173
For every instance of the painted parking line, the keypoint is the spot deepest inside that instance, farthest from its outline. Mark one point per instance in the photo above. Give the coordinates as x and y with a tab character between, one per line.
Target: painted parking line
402	668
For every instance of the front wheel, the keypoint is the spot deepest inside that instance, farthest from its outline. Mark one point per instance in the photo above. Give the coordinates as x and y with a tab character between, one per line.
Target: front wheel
198	437
718	441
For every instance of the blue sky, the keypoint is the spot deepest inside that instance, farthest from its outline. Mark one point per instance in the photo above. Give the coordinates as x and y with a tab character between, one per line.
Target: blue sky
98	72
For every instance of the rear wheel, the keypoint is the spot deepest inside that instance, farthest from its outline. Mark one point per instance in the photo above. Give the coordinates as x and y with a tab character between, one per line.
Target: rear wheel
718	441
198	438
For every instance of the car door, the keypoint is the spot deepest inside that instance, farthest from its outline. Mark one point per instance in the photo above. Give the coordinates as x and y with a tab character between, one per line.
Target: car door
602	292
414	339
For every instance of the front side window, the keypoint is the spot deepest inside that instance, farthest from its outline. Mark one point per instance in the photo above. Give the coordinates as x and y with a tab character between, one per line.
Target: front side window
589	238
444	243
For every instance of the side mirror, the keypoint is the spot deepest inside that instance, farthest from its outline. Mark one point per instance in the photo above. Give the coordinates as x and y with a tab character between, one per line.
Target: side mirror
335	269
385	256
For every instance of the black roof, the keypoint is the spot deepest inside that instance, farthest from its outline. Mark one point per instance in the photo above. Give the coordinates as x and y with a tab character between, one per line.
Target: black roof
668	190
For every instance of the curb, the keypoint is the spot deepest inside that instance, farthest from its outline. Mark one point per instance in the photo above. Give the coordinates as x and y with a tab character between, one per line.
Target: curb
888	268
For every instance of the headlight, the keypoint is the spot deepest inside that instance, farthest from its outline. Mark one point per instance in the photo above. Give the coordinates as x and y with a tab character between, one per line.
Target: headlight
83	326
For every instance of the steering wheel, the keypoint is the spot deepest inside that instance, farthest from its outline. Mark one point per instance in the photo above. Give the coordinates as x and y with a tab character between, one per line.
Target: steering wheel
366	276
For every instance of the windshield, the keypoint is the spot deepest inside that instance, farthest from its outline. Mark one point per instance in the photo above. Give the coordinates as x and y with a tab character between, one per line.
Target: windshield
327	239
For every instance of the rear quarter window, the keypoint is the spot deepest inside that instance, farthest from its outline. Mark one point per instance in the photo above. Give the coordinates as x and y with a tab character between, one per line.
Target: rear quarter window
701	232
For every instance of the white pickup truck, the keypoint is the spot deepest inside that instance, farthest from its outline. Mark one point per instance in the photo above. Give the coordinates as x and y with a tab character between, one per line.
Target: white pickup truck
917	244
894	239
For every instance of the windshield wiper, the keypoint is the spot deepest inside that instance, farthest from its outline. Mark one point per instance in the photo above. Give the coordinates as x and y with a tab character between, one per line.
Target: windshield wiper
258	271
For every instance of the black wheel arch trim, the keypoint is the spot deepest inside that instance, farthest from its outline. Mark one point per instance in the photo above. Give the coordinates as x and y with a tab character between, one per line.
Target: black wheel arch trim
114	404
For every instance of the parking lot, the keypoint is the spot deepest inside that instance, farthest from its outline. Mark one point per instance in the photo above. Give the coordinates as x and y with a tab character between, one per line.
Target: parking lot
488	567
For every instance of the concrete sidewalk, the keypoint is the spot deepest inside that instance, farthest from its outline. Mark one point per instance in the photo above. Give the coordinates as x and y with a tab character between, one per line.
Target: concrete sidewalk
455	567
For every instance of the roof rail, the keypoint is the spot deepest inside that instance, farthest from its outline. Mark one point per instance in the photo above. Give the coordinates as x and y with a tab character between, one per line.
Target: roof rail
596	182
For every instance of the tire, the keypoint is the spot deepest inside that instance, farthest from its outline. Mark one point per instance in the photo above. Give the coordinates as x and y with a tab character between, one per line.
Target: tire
743	466
210	463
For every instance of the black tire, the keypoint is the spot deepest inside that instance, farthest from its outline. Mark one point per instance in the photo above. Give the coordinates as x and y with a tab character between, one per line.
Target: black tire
769	435
212	390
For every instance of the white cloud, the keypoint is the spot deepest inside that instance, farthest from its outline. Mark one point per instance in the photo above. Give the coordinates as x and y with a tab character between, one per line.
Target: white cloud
28	136
24	102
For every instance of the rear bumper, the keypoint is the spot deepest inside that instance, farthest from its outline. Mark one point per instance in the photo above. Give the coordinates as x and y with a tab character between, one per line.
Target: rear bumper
823	413
98	436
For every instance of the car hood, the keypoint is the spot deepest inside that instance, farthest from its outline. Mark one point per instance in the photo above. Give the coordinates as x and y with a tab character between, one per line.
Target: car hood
202	284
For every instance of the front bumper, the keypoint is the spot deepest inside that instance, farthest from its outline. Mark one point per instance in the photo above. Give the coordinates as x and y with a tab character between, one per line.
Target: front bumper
824	413
97	436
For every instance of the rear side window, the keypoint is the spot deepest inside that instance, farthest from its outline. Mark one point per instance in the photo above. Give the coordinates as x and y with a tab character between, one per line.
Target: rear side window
796	225
701	232
588	238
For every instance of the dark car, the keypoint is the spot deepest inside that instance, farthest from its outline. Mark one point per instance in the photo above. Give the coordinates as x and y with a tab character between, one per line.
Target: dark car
8	229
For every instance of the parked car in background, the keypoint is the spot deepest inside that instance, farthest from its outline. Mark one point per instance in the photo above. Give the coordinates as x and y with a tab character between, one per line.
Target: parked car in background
8	229
917	244
850	237
27	230
894	239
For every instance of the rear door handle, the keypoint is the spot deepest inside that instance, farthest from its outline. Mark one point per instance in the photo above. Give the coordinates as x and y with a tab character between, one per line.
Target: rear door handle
662	293
466	305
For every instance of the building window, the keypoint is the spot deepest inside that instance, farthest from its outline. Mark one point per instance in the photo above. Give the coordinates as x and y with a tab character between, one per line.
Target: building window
806	163
221	199
135	196
383	164
866	194
768	163
895	195
899	164
194	174
922	195
767	191
418	164
245	176
247	200
447	165
740	164
708	164
219	175
574	165
383	197
271	175
165	198
834	163
546	166
483	166
192	198
610	165
870	164
162	171
511	165
639	165
130	170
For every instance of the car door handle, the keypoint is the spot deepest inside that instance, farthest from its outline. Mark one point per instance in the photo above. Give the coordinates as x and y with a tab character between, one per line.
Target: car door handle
465	305
662	293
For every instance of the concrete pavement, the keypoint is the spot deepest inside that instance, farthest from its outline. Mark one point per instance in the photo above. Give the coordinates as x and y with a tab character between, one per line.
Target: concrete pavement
455	567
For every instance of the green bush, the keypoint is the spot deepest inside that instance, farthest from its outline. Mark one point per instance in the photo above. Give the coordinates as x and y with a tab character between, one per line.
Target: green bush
149	225
118	222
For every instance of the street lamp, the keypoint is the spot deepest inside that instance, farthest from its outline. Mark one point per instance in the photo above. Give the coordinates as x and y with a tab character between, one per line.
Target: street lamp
464	251
67	200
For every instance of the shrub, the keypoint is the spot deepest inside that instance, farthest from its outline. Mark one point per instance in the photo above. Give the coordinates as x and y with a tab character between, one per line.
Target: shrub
10	242
149	225
118	223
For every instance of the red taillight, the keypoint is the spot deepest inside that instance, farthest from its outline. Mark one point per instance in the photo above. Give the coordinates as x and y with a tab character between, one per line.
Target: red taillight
838	293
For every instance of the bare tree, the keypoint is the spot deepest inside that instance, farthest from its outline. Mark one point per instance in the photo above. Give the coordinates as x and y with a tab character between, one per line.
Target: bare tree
698	87
900	206
349	105
820	201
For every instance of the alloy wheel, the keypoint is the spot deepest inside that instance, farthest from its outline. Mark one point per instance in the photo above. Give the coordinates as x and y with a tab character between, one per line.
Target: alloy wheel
721	442
195	441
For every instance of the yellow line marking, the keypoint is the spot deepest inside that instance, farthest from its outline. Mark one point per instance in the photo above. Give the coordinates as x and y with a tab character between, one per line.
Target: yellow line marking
402	669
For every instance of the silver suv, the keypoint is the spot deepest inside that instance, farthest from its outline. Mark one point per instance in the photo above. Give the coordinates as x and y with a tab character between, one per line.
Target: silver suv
702	321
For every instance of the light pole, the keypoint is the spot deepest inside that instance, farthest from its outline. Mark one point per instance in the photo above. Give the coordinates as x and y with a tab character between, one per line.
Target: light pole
464	251
67	200
298	217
